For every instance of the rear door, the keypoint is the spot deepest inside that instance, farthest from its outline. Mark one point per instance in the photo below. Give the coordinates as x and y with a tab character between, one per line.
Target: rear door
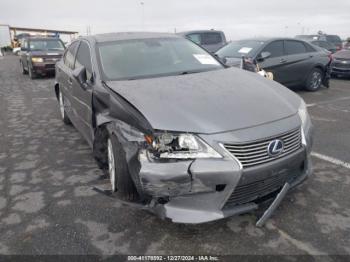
64	77
297	62
275	62
82	95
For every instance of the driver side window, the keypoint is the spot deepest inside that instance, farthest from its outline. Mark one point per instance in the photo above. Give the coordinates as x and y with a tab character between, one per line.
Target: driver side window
275	49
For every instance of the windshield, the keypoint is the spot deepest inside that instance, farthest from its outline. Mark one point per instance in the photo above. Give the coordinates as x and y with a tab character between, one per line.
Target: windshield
238	49
46	44
145	58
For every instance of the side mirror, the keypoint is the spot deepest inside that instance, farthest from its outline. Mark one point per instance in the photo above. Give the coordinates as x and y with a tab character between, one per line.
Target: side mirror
80	75
263	56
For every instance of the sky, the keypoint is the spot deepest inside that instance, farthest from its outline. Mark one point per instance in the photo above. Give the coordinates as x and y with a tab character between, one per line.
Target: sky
238	19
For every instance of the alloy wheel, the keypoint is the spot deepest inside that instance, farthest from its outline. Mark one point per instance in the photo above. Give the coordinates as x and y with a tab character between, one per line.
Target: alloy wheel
61	101
316	80
111	165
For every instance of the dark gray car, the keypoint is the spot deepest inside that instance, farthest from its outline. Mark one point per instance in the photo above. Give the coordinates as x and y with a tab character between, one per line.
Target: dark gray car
177	131
211	40
39	55
292	62
341	63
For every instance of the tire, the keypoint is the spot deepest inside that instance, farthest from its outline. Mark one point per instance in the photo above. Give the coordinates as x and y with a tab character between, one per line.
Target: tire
24	72
64	115
118	171
314	80
32	74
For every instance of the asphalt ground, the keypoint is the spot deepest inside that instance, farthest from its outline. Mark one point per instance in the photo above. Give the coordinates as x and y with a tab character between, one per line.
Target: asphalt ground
47	205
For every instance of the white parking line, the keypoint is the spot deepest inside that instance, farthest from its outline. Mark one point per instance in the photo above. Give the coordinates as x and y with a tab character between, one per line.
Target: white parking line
309	105
328	101
331	160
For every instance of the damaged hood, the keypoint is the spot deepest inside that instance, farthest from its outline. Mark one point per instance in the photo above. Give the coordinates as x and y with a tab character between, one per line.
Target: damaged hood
209	102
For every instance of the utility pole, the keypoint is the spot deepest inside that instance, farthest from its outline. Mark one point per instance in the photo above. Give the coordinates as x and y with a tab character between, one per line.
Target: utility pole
143	15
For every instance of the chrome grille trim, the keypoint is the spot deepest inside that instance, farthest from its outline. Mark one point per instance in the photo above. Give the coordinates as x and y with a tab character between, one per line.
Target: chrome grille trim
255	153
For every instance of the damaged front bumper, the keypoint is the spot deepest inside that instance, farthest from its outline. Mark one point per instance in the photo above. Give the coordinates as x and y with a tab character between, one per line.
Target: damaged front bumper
200	191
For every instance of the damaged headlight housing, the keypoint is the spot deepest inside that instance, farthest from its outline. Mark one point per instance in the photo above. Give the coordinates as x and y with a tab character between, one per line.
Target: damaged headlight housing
305	121
181	146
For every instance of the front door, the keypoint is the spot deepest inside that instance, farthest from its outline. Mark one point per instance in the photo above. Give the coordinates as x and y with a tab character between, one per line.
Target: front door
82	94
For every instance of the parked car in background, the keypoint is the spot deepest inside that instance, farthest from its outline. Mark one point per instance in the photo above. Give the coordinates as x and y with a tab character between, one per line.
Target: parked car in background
39	55
16	50
178	131
346	44
326	45
332	39
211	40
341	63
292	62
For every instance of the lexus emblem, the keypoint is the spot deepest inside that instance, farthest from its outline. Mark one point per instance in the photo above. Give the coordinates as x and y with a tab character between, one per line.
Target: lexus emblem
275	147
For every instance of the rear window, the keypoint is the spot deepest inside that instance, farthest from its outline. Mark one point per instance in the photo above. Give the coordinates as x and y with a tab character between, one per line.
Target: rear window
241	48
294	47
196	38
333	38
211	38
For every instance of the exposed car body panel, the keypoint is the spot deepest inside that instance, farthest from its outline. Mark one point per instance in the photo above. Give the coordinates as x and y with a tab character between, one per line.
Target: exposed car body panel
184	101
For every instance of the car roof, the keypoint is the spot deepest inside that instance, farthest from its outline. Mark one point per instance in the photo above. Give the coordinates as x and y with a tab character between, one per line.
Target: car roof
41	38
110	37
269	39
199	32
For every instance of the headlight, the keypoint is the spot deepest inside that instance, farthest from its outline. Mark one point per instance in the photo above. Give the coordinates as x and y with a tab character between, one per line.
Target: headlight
37	60
303	114
181	146
305	121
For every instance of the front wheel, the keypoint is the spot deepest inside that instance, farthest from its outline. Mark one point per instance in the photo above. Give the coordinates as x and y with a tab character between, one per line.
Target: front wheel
31	72
24	72
314	80
119	175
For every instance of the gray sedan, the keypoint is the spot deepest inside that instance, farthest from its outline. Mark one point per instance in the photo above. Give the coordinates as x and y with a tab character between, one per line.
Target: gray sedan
178	132
292	62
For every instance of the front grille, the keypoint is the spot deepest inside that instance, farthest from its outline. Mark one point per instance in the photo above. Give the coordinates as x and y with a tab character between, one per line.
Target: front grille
52	59
256	190
341	65
255	153
50	66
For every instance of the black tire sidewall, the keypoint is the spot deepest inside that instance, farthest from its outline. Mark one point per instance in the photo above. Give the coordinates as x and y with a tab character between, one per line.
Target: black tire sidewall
32	74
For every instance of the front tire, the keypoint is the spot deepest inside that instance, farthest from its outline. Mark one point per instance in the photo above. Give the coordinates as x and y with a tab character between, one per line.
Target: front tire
119	175
32	74
64	115
314	80
24	72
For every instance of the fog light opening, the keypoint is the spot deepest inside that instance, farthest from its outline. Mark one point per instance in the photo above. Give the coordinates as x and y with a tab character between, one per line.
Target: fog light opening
220	188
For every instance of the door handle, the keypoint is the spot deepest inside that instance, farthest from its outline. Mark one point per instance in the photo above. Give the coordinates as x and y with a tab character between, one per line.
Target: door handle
282	61
70	81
